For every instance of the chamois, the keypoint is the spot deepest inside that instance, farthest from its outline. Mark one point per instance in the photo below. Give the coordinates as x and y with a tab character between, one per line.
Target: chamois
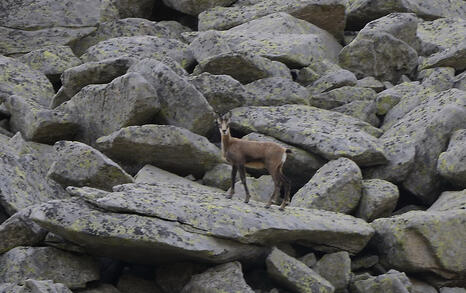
242	153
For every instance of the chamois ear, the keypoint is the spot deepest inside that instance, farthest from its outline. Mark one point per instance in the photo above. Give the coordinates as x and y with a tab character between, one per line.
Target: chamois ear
227	116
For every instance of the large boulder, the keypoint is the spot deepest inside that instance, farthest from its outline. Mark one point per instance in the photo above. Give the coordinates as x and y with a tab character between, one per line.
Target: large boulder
452	57
103	109
328	15
391	282
140	47
451	164
365	110
194	7
450	200
378	200
47	263
260	188
441	34
341	96
276	91
172	148
438	79
219	176
333	80
335	187
181	104
225	278
35	286
335	268
294	274
326	133
78	164
390	97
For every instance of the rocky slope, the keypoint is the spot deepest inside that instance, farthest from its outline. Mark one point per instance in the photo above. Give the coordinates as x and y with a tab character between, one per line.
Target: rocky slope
111	173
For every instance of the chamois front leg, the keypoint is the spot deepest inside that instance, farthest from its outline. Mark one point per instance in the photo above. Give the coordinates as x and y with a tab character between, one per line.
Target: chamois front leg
276	190
233	179
242	174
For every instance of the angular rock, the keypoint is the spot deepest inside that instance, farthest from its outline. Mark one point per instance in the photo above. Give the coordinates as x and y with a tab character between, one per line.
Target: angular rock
74	79
128	283
276	91
295	275
223	92
439	79
452	57
335	187
391	282
333	80
260	188
309	259
341	96
372	83
128	27
364	262
450	200
59	242
51	60
226	278
378	200
328	15
19	79
378	54
102	288
103	109
335	268
421	287
168	147
231	219
364	110
181	104
173	277
19	230
194	7
451	164
78	164
460	81
329	134
219	176
18	41
47	263
140	47
441	34
452	290
35	287
243	67
38	123
388	98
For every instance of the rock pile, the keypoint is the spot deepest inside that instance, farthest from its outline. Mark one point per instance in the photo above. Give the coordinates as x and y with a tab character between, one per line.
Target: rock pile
112	178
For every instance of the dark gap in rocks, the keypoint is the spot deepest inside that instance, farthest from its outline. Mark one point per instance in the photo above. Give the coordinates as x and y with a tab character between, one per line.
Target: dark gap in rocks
3	215
190	68
110	270
407	199
56	81
163	12
258	278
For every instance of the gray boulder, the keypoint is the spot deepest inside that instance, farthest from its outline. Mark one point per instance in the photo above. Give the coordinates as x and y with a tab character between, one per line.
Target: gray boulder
99	72
441	34
173	277
450	200
181	104
168	147
260	188
276	91
78	164
35	287
102	109
245	68
294	274
101	288
335	268
47	263
341	96
451	164
128	283
372	83
452	290
226	278
460	81
364	110
391	282
390	97
439	79
326	133
378	200
194	7
333	80
220	177
140	47
328	15
335	187
452	57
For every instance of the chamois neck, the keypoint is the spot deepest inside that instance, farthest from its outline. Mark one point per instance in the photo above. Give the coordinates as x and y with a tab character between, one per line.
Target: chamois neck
225	142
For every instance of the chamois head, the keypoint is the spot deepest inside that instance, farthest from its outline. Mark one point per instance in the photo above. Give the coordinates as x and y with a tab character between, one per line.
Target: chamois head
223	124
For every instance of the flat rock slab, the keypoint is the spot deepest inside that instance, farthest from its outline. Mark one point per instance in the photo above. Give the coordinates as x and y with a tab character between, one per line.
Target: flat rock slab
276	91
35	286
391	282
194	7
209	213
452	163
326	133
168	147
451	57
441	34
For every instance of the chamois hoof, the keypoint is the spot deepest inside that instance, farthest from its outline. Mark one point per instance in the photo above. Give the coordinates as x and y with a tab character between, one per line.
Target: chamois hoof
281	208
229	196
267	206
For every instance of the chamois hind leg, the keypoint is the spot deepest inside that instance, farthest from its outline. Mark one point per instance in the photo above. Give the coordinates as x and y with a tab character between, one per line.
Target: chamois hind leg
242	174
234	170
287	184
277	183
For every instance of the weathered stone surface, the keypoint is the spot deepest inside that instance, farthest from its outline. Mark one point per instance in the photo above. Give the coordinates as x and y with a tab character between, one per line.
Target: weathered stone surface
451	164
451	57
168	147
19	230
335	268
54	240
452	290
245	68
75	78
388	98
460	81
360	12
421	241
295	50
335	187
260	188
258	225
18	41
441	34
378	200
223	92
38	123
19	79
450	200
391	282
329	134
421	287
364	110
194	7
35	287
129	27
174	276
309	259
78	164
378	54
102	288
219	176
140	47
328	15
102	109
364	262
372	83
333	80
226	278
51	60
276	91
47	263
181	104
294	274
438	79
341	96
128	283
